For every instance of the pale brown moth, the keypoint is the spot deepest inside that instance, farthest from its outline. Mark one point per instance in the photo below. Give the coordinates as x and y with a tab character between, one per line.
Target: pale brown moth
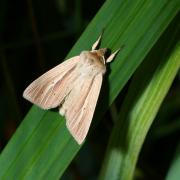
74	86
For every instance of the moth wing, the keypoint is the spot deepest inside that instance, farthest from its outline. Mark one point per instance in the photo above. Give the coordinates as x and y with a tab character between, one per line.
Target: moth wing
48	90
79	123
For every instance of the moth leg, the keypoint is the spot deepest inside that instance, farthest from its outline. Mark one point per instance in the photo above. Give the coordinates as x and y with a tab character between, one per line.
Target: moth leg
96	43
112	56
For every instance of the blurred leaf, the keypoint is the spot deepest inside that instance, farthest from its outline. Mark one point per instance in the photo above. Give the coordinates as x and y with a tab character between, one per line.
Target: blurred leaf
165	130
146	93
174	170
42	148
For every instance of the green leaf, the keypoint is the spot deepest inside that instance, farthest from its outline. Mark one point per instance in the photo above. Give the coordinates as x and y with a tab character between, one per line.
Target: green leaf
174	170
146	93
42	148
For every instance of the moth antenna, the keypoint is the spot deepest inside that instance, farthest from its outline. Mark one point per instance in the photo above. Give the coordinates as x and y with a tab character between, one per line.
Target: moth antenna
112	56
96	43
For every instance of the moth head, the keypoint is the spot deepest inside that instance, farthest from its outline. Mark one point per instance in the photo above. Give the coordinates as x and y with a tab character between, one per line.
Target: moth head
100	54
95	56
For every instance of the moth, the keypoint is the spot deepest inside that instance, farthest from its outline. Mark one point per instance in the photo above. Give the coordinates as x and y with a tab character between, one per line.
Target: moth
74	86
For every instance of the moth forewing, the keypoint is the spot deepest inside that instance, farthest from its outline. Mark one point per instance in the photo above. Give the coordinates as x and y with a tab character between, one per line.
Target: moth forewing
48	90
73	85
79	123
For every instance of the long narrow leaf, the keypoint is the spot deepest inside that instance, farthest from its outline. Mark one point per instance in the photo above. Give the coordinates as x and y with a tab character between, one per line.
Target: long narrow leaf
146	93
174	171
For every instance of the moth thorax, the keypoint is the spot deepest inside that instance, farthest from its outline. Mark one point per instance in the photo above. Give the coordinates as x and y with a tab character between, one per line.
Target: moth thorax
93	59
